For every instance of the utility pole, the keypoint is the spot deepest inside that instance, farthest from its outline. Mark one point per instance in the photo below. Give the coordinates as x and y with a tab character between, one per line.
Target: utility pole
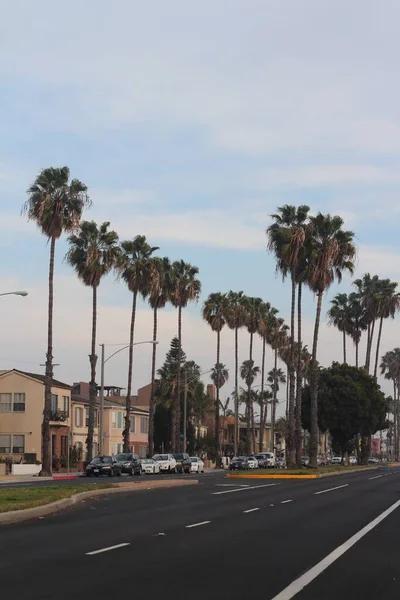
101	441
185	413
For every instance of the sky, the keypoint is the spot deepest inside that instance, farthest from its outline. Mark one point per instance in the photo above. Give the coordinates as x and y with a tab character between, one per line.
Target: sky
190	123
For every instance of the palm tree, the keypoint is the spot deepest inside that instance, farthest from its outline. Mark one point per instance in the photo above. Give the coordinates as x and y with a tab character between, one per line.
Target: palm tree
219	376
287	240
213	314
235	317
368	289
357	321
135	269
278	340
93	252
390	367
249	372
330	252
389	304
158	295
275	377
56	205
253	306
185	287
265	322
339	317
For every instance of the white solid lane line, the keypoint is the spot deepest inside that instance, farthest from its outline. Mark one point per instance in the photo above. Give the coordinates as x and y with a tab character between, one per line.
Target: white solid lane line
244	489
250	510
299	584
286	501
331	489
197	524
106	549
376	477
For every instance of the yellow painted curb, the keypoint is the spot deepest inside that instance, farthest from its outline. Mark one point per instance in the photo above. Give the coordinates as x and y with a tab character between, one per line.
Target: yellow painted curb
392	465
272	476
7	478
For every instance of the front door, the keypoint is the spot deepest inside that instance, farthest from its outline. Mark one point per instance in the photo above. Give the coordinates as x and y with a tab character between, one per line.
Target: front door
53	445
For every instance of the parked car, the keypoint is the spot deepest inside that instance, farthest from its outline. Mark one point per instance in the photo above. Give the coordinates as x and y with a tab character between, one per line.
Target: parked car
238	463
252	462
280	463
265	460
336	460
166	462
103	465
183	464
305	461
373	461
150	466
322	461
353	460
129	463
196	465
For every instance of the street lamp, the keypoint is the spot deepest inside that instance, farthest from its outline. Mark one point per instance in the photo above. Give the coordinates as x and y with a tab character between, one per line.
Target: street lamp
18	293
103	362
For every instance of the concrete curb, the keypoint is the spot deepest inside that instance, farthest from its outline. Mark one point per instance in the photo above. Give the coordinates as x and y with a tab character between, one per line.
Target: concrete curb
305	476
16	516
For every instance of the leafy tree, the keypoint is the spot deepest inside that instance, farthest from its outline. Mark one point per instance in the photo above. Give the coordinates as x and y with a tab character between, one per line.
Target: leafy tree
56	205
350	402
93	253
135	270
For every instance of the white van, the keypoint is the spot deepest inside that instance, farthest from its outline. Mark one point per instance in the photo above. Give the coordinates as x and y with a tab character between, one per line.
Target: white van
265	459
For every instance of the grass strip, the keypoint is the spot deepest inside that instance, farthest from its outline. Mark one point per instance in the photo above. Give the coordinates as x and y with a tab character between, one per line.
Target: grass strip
30	497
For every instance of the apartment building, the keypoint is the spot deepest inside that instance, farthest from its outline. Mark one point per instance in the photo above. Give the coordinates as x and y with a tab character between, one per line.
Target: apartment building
21	414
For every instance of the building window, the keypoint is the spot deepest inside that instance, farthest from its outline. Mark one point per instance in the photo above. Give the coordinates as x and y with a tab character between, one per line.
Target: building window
54	403
120	420
5	444
66	405
114	420
78	416
64	446
120	448
114	449
144	425
19	403
142	451
97	418
18	444
5	402
132	424
86	417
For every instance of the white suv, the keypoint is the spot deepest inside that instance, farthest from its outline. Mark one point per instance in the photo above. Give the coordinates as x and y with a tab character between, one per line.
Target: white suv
167	463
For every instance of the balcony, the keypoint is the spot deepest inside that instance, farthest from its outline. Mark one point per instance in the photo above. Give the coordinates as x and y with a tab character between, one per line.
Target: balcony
59	416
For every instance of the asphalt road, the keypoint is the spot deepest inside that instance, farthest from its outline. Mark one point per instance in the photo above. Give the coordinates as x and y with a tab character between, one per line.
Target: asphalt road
333	538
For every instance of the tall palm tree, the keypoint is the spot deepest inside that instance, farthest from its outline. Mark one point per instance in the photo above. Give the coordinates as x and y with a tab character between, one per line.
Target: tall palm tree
275	377
235	317
185	287
330	251
93	252
249	372
213	314
265	322
253	306
158	295
389	304
368	289
135	268
357	320
339	317
219	376
390	367
56	205
286	239
278	340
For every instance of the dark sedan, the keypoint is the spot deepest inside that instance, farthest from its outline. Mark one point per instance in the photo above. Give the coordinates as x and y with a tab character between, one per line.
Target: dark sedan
103	465
129	463
239	463
183	462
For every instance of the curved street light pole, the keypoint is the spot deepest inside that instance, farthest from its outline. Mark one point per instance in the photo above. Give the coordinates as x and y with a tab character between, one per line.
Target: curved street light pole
103	362
17	293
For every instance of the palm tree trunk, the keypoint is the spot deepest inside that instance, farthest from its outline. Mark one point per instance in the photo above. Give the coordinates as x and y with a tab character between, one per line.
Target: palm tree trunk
344	348
46	450
128	402
263	404
273	408
248	443
253	431
152	407
92	385
217	438
369	347
314	431
357	344
299	383
176	409
378	343
237	430
291	423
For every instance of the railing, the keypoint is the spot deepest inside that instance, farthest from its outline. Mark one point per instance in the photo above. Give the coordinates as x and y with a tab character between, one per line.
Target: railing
59	415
